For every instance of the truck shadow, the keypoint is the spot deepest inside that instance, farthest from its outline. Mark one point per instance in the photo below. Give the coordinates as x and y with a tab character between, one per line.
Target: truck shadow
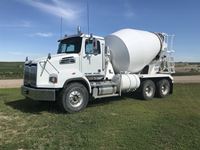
37	107
104	101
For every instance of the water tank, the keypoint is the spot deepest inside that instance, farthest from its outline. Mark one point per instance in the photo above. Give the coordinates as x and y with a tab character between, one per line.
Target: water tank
131	50
127	82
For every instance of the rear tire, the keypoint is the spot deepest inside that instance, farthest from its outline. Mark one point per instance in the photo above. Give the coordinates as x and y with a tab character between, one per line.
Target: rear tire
148	89
74	98
163	88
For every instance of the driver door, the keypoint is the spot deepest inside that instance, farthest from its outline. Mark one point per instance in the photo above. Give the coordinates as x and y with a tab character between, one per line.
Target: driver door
92	65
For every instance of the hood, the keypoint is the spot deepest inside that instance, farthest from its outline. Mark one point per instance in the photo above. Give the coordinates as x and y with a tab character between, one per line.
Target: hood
53	58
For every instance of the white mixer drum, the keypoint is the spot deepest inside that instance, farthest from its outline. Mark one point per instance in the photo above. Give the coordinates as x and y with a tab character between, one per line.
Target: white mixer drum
131	50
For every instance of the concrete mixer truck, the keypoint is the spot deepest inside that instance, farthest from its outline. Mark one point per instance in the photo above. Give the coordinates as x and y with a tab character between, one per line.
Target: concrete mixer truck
89	67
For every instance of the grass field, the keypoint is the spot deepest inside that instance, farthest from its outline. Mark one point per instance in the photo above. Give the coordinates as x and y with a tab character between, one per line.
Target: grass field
11	70
114	123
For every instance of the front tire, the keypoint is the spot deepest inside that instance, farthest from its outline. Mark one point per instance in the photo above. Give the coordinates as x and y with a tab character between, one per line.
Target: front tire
148	89
74	98
163	88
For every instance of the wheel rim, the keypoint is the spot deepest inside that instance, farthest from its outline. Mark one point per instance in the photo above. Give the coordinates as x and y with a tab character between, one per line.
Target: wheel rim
75	98
164	89
149	91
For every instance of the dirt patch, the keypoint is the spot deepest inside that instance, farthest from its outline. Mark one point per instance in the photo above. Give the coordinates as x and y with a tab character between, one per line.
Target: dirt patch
14	83
187	79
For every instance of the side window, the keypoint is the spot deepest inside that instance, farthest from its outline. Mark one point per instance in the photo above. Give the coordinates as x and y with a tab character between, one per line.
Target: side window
89	47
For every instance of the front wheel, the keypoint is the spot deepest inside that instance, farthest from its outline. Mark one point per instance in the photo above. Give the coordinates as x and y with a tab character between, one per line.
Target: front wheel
147	89
74	98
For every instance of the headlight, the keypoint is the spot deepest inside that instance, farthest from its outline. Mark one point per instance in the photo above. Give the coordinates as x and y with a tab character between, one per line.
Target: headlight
53	78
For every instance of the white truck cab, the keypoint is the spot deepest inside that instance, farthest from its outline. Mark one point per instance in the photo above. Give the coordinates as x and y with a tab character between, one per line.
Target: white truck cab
85	67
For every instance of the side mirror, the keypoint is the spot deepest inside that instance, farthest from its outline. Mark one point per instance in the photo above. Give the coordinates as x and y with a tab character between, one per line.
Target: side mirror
49	56
26	59
95	47
107	51
95	44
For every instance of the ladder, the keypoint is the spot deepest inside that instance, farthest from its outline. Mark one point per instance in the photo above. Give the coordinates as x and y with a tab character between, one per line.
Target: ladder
167	64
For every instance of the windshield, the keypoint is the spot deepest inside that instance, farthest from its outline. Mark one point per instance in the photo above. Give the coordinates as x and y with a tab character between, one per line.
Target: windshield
70	45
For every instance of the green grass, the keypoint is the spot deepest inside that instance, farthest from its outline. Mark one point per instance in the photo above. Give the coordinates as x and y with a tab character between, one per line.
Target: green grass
111	123
11	70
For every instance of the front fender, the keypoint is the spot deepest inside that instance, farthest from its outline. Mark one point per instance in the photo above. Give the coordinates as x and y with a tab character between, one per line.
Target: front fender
74	76
82	80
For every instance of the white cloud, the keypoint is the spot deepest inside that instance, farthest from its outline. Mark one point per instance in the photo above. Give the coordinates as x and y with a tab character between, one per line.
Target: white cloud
15	53
18	53
129	14
129	11
42	34
26	24
57	8
19	24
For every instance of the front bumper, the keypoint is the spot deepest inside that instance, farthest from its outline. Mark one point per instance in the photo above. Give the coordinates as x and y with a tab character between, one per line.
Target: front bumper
38	93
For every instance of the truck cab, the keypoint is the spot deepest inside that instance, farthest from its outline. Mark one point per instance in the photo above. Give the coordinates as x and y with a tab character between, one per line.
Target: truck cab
90	53
79	58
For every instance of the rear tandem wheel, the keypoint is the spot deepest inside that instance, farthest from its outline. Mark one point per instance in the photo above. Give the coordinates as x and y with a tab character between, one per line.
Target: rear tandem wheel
148	89
163	88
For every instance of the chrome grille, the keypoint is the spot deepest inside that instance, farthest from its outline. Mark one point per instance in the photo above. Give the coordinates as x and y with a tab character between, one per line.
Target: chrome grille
30	74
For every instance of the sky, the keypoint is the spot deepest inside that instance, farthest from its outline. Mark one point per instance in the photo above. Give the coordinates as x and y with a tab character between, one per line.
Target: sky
32	27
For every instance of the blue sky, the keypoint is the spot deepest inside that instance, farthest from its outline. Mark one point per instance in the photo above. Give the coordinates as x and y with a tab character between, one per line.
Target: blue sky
32	27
